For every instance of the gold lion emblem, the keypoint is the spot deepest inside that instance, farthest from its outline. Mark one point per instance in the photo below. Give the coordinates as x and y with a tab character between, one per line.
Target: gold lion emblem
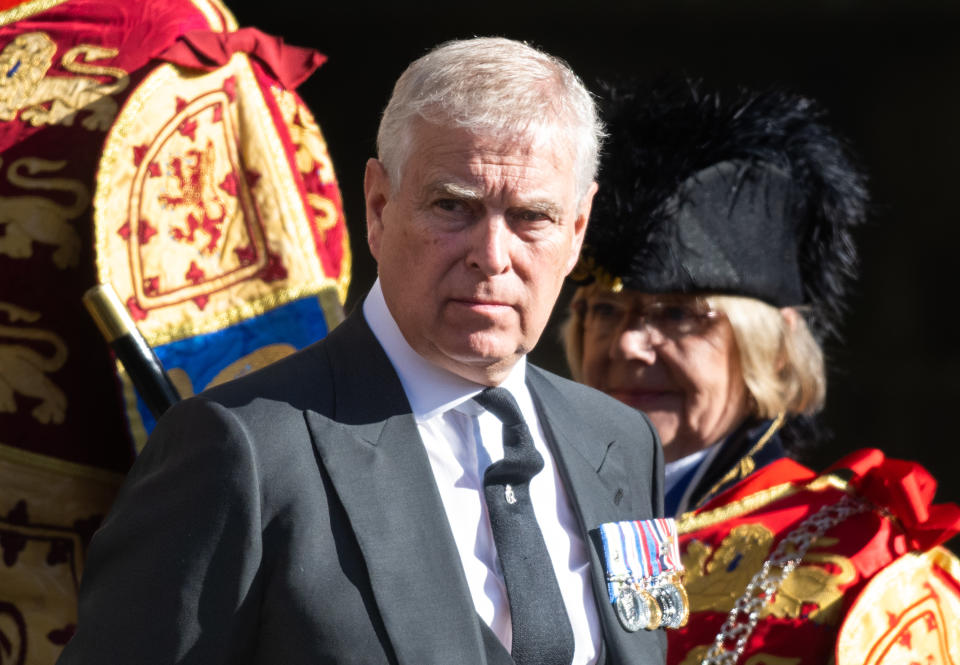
38	219
23	369
27	91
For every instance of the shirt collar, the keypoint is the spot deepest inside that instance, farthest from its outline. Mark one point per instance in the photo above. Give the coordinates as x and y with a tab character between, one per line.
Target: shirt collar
431	390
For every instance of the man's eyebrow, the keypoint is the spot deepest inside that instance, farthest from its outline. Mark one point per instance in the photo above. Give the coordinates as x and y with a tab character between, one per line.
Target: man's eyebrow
453	189
547	208
467	193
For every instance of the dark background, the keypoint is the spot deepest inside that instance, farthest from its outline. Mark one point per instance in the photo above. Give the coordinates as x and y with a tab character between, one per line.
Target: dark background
889	73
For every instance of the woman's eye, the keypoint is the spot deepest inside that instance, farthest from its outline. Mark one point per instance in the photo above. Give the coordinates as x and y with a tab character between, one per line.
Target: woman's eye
676	314
603	310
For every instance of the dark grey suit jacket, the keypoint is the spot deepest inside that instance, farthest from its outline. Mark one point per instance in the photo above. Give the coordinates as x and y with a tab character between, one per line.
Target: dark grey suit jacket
292	517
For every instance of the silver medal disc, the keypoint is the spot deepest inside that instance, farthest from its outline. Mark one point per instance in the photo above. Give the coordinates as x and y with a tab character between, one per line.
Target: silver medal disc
673	603
636	609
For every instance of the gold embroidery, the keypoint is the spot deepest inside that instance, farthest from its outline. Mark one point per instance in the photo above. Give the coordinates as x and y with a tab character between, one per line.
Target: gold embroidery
907	613
332	307
325	211
23	62
46	504
28	8
690	522
747	465
23	369
30	219
136	251
716	578
694	521
192	176
312	154
696	655
813	583
45	464
51	100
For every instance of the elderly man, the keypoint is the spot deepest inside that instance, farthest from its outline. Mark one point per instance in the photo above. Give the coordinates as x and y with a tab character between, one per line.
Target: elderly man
370	499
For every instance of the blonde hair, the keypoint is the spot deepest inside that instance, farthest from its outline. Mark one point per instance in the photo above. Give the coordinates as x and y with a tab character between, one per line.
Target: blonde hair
571	332
782	364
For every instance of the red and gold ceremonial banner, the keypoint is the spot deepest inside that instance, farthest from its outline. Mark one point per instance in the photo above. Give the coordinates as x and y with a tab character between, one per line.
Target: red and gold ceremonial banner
155	146
878	525
217	217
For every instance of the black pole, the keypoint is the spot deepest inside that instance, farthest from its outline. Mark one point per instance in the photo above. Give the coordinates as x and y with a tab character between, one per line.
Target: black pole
138	359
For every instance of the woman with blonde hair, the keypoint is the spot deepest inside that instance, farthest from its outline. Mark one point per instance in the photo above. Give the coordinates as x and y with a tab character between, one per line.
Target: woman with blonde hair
717	262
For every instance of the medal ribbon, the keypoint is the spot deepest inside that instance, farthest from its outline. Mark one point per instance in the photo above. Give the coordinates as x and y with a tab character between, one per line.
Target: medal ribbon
614	557
639	550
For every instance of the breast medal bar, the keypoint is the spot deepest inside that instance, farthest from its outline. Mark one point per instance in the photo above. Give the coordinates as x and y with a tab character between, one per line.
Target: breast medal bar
644	574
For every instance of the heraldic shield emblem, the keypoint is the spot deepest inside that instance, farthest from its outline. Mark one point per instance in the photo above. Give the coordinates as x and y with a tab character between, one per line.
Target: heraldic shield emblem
219	224
906	614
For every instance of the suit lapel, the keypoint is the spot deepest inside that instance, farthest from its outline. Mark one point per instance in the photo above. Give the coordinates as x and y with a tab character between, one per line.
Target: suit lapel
596	487
592	483
372	451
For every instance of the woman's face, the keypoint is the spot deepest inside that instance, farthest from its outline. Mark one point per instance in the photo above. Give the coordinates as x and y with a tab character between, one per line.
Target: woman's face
670	356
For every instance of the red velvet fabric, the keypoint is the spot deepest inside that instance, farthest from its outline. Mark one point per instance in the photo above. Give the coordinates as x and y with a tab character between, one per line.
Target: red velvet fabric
906	490
207	50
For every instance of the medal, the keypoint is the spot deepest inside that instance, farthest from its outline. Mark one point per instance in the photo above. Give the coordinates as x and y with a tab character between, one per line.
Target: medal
637	609
673	603
642	561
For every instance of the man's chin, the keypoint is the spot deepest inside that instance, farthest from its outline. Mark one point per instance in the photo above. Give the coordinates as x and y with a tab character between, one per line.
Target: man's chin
480	358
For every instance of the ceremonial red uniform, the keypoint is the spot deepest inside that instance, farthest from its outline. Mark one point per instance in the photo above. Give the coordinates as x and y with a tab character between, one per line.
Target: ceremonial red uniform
865	522
154	146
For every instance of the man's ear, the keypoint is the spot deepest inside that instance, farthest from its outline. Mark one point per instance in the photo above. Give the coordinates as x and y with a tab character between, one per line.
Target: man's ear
376	192
580	225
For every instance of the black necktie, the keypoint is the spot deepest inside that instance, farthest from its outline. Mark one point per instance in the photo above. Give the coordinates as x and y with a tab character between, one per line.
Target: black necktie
541	629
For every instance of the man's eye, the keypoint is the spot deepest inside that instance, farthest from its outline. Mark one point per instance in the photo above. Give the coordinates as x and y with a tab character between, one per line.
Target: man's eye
449	205
530	216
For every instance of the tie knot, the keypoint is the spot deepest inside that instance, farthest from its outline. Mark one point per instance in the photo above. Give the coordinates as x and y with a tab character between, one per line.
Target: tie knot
501	403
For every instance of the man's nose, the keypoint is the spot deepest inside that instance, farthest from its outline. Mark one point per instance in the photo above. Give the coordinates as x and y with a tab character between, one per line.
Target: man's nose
489	250
636	341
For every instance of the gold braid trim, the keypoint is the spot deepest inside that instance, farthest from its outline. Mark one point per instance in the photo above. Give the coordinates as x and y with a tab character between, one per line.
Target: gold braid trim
746	465
29	8
692	521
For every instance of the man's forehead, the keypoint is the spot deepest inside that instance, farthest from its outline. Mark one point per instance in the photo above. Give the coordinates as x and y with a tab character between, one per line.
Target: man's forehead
454	157
531	141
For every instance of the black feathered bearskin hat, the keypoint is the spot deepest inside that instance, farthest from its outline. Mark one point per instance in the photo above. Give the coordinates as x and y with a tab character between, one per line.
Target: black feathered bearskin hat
749	194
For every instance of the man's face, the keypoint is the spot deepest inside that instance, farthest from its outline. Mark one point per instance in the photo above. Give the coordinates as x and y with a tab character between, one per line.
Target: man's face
473	246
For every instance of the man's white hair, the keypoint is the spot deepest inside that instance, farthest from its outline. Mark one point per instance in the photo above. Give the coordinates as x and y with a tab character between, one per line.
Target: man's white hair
492	86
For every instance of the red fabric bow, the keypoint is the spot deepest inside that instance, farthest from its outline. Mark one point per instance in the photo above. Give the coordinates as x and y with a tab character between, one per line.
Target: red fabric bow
906	490
207	50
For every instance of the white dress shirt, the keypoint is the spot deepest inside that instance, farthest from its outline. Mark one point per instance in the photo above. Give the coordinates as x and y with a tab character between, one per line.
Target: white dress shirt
462	439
